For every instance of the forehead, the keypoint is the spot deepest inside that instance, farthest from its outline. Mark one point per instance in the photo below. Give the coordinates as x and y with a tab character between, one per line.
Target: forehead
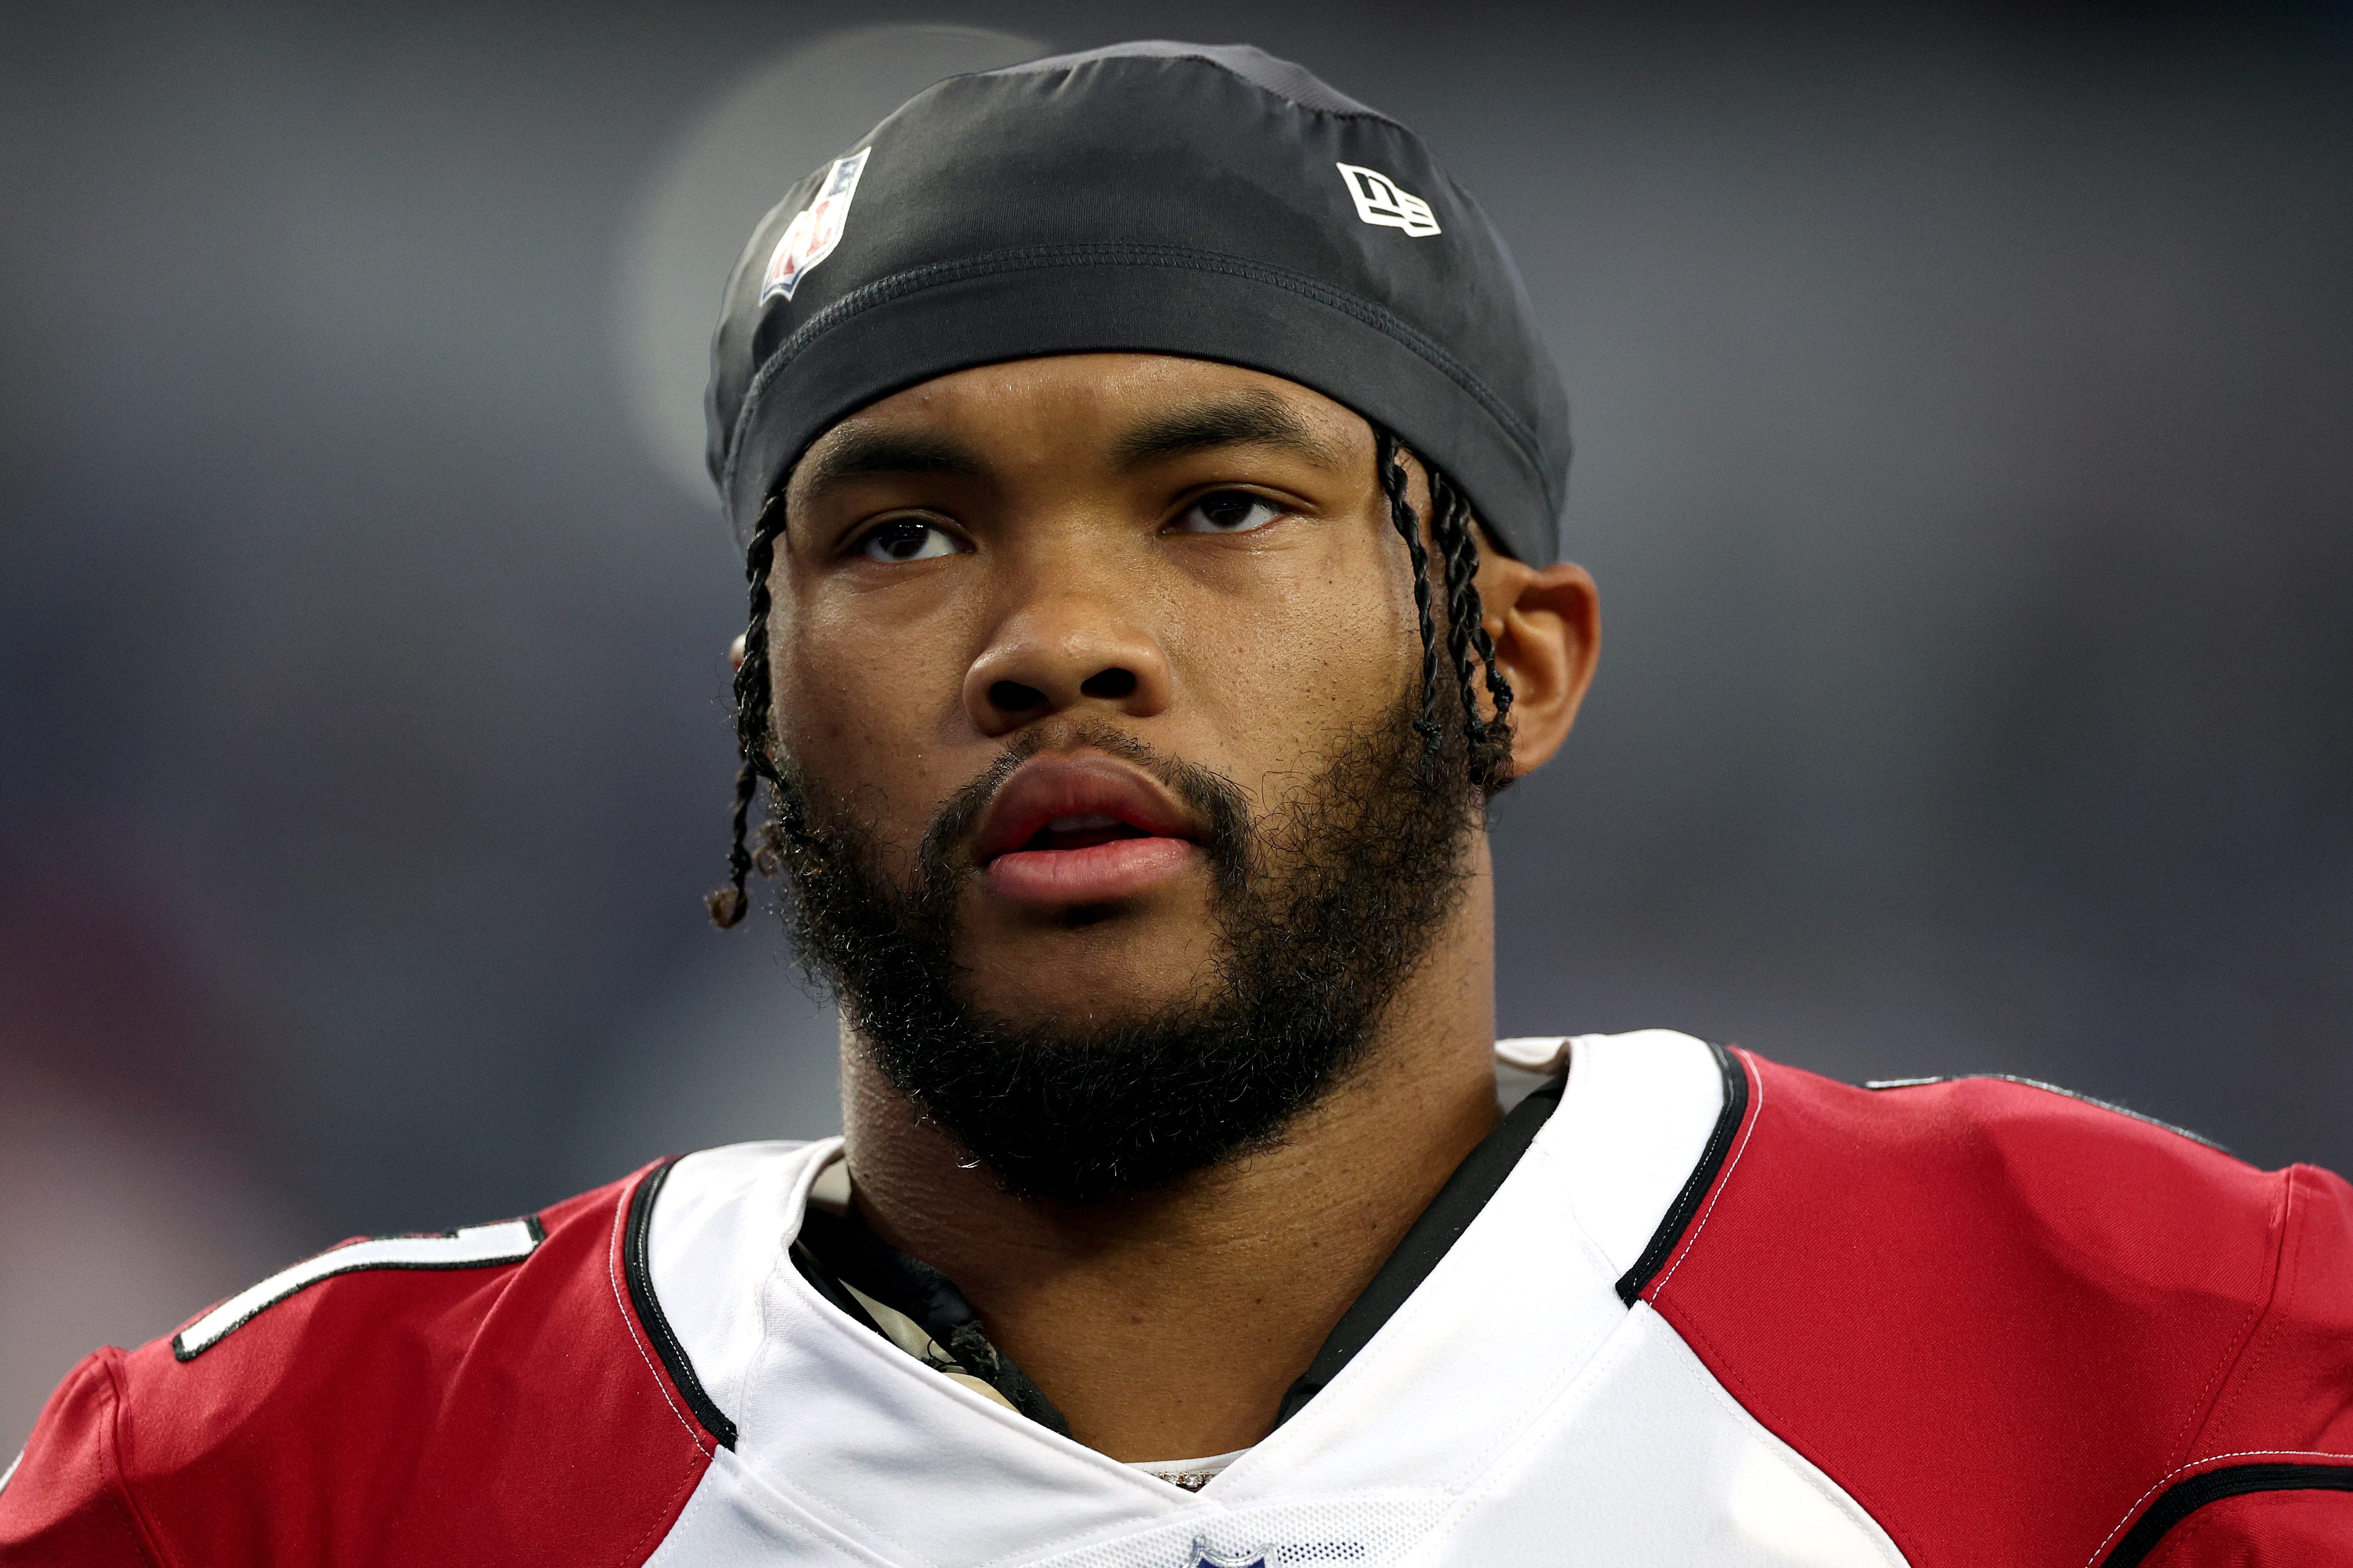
1111	403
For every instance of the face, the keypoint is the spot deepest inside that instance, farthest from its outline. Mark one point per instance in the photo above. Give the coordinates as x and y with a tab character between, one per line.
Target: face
1190	556
1103	806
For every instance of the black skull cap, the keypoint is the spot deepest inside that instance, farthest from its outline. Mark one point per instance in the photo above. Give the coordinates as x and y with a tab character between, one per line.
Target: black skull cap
1207	201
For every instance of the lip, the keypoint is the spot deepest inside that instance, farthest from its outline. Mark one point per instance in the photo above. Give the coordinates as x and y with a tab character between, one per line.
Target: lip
1155	838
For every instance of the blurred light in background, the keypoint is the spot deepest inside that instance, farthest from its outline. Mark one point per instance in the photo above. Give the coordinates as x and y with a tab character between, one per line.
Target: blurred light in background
807	105
1960	396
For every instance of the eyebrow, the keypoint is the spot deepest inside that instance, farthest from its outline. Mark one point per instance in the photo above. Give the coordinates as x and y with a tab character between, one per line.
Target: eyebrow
862	452
1251	418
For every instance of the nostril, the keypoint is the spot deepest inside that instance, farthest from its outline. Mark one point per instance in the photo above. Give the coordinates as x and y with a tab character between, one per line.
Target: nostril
1015	697
1109	683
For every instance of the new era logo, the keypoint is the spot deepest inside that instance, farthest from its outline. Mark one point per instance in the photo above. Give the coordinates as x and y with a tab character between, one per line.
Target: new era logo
1379	200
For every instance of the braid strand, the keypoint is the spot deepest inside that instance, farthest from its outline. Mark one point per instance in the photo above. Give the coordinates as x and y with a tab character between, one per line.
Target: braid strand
1387	457
729	904
1448	511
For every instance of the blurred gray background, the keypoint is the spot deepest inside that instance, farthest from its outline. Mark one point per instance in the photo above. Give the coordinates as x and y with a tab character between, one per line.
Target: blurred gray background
1962	400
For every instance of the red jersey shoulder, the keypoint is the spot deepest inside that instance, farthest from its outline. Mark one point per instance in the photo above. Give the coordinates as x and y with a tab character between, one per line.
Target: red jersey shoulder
490	1395
2000	1314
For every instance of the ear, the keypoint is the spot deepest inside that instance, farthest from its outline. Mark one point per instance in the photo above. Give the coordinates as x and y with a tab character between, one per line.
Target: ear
1546	626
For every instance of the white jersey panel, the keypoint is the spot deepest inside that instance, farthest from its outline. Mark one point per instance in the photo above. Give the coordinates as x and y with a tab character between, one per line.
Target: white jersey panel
732	1522
723	1219
1650	1462
1631	1125
1491	1340
1512	1410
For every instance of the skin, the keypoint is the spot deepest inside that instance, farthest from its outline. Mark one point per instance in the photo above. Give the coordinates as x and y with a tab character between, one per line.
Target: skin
1070	564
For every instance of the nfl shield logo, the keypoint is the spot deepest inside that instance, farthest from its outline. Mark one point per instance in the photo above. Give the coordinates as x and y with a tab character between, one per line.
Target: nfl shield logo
1203	1558
815	230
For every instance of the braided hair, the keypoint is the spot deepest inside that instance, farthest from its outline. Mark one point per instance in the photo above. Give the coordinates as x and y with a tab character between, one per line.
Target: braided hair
753	701
1486	742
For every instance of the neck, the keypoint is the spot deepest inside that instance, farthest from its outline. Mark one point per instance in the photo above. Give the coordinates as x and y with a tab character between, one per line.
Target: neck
1168	1325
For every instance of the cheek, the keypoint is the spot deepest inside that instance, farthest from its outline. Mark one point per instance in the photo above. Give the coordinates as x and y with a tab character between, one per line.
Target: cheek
1309	658
863	717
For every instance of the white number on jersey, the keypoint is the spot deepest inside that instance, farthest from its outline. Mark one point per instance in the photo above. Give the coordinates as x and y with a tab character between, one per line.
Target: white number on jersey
475	1247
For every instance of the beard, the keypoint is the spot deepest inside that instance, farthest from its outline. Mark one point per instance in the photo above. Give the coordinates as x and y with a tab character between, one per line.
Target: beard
1321	911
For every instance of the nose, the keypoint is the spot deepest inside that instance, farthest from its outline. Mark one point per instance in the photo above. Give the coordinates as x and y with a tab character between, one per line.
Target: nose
1056	654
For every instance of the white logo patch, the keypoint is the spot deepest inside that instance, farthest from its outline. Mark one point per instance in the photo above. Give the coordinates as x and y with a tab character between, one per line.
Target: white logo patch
816	229
1379	200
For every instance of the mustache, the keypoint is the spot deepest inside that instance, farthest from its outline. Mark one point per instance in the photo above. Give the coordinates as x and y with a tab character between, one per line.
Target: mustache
945	854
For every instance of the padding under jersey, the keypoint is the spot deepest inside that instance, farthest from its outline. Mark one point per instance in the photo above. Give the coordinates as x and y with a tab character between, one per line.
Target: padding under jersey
1719	1311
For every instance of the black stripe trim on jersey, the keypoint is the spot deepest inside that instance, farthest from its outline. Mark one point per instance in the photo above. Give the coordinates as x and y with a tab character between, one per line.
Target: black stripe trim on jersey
637	1262
2177	1502
1427	1240
1887	1083
1671	1229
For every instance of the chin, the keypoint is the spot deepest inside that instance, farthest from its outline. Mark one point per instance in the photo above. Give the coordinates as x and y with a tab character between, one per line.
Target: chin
1086	968
1085	991
1075	1004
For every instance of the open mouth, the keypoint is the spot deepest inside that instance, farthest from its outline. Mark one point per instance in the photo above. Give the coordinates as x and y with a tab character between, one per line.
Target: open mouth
1082	832
1083	828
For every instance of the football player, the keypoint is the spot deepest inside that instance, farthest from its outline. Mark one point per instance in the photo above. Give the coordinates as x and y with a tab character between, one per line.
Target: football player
1147	475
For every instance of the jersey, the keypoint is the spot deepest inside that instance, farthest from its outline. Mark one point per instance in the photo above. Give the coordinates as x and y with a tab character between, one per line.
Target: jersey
1719	1311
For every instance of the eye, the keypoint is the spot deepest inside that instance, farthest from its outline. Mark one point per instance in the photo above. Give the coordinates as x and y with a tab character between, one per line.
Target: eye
1228	511
908	539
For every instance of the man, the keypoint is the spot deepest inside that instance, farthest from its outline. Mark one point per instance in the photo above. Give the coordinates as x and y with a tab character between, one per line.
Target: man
1148	475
